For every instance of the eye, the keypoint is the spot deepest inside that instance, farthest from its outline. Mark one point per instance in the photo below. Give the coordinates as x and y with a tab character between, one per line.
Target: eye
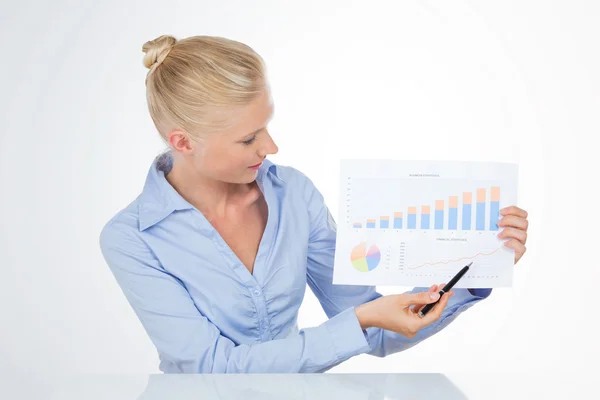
249	141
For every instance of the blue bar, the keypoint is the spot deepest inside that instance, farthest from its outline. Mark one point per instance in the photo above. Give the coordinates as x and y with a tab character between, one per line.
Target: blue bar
439	219
425	221
397	223
466	217
494	215
480	224
384	223
370	224
412	221
453	221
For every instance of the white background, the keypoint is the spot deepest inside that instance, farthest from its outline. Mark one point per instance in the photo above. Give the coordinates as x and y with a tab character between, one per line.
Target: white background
508	81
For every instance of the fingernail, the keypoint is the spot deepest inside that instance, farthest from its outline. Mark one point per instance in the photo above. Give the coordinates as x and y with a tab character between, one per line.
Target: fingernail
434	295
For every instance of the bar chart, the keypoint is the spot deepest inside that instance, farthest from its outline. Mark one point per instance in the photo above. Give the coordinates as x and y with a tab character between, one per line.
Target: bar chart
419	222
446	213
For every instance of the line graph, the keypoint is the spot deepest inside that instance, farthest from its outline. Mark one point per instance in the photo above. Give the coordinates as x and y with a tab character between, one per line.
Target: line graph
455	260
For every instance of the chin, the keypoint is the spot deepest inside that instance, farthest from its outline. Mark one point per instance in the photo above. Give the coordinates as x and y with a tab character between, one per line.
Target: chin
249	177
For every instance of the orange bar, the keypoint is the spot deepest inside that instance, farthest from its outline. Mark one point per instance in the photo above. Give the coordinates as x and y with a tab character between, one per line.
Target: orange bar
425	209
439	204
495	193
398	214
467	197
412	210
481	195
357	224
453	201
371	220
384	218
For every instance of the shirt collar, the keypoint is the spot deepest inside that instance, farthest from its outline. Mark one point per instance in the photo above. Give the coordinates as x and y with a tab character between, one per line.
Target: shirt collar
159	199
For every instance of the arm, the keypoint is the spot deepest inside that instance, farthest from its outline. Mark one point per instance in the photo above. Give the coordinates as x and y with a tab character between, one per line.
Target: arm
335	298
187	342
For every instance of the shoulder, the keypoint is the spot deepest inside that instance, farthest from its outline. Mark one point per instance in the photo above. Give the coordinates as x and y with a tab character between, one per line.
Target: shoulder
122	229
300	186
294	178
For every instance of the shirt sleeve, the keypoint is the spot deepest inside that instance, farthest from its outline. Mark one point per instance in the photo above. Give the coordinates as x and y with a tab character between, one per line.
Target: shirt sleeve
187	342
335	298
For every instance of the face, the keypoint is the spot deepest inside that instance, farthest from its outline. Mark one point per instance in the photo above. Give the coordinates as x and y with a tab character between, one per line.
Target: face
228	155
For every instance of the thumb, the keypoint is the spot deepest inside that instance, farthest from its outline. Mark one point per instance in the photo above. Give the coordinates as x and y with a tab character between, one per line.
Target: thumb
424	298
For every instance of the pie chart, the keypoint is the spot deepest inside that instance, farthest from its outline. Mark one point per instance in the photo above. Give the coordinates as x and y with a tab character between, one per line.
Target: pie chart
364	260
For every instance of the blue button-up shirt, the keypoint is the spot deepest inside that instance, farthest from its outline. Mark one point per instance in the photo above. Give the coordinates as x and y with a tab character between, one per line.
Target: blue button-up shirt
205	312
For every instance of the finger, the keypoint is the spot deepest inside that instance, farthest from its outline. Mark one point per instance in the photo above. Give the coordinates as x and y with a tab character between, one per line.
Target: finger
415	308
515	222
518	247
435	313
512	233
422	298
514	210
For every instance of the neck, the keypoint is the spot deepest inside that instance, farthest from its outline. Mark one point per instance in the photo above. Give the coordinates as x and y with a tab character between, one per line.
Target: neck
212	197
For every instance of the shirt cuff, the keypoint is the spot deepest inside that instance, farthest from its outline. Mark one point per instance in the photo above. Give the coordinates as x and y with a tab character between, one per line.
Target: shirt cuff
478	292
348	338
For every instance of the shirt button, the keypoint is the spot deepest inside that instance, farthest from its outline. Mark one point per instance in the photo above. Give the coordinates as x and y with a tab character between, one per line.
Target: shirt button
257	292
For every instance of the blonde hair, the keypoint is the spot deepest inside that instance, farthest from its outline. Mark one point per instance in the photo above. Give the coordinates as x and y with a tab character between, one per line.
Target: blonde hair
195	84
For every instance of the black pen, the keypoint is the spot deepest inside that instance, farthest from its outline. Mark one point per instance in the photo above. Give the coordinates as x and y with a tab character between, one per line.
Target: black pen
446	288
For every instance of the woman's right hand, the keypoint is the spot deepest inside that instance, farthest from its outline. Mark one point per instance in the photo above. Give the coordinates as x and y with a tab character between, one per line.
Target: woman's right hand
399	312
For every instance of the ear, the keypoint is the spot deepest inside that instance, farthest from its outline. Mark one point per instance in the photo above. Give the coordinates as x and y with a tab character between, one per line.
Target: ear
178	141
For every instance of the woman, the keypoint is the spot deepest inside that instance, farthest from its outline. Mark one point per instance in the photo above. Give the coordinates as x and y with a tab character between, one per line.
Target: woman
214	255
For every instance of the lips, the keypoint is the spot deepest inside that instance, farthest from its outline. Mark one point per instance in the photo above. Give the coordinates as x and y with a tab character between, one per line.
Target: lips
257	165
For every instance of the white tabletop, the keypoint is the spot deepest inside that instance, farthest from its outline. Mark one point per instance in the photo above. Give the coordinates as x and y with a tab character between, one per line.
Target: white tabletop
422	386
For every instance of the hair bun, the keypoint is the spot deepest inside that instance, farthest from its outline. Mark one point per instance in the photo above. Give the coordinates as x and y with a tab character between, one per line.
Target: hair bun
156	50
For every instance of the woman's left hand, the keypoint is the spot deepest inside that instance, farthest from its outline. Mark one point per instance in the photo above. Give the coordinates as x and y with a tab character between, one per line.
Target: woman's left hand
514	221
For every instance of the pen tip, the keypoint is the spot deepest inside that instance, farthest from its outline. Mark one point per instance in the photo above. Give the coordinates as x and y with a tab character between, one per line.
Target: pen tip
471	263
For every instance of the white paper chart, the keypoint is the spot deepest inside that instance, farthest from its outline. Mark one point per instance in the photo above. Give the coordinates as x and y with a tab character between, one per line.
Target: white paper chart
417	223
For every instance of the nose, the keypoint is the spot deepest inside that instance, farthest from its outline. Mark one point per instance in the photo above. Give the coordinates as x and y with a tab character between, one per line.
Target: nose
268	147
